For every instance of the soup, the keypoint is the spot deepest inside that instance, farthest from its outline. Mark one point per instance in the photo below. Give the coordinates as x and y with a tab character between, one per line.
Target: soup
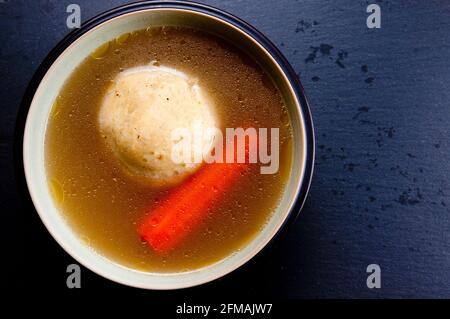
105	202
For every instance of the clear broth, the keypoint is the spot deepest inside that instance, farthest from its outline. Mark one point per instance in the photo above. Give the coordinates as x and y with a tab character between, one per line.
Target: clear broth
104	205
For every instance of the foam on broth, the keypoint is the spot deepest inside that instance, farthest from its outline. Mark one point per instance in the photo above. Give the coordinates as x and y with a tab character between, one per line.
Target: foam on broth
104	205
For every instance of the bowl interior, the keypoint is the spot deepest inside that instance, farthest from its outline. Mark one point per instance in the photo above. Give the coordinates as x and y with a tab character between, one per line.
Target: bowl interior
34	136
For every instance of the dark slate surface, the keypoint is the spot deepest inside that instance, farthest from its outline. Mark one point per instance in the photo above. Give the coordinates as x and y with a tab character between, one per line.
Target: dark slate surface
381	189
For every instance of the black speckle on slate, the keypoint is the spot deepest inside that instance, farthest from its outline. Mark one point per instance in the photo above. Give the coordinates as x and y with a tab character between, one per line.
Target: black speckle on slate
419	194
321	146
372	199
379	142
341	56
406	199
311	58
341	157
368	189
370	226
400	171
364	68
437	145
373	162
303	25
350	166
362	109
369	80
390	132
315	78
410	155
325	49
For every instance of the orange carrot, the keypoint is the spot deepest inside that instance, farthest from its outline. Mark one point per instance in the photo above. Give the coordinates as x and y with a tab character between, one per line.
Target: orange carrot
186	206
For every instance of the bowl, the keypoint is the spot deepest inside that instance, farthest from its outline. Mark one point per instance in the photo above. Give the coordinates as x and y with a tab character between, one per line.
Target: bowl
71	51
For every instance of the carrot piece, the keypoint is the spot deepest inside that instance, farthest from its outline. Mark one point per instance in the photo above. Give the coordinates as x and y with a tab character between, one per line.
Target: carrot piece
184	208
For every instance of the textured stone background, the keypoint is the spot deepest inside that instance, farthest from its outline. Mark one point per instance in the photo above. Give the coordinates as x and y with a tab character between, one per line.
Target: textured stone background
380	101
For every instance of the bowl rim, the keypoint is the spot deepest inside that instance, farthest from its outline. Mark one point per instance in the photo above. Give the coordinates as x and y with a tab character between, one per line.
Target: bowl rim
243	26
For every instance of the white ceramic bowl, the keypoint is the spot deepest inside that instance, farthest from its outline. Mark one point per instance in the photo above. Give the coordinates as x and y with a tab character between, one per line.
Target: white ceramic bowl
78	45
